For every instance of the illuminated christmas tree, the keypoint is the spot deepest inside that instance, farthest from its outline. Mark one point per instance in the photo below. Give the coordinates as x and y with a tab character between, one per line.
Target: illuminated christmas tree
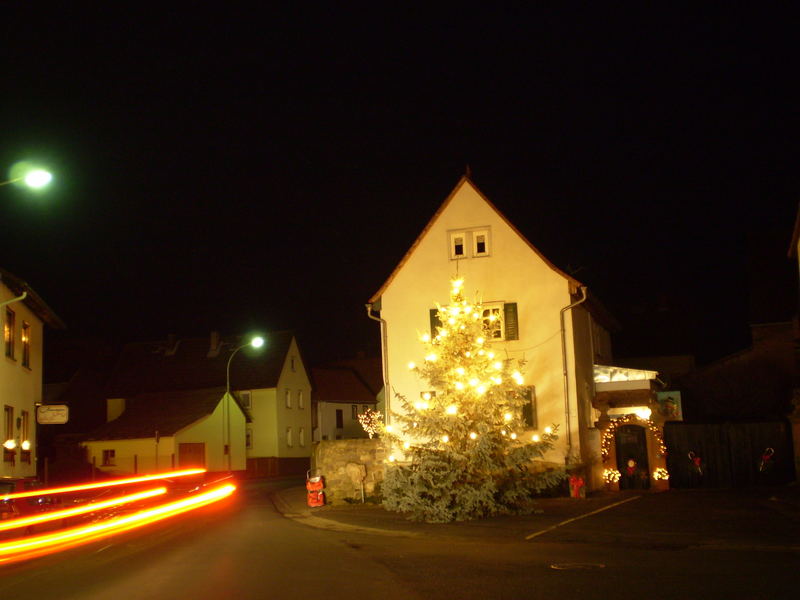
462	448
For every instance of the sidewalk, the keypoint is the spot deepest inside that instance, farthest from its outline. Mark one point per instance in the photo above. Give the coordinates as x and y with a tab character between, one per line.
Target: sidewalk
732	519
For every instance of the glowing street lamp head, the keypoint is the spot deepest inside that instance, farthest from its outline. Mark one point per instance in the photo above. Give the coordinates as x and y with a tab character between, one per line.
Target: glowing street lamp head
38	178
257	342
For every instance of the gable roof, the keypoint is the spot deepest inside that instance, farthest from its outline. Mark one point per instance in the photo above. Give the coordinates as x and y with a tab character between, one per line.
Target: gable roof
368	370
185	364
32	299
465	180
166	413
341	385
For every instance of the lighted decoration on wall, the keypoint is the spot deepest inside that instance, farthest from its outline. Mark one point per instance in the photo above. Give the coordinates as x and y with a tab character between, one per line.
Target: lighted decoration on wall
608	434
661	474
611	475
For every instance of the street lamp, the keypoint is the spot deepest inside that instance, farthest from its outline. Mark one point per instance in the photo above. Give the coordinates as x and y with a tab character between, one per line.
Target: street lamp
33	178
255	342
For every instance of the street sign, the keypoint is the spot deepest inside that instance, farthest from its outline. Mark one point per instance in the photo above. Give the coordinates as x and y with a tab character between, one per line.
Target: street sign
52	414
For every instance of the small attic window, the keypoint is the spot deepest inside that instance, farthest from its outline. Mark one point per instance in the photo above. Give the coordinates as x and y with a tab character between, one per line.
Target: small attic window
458	244
480	243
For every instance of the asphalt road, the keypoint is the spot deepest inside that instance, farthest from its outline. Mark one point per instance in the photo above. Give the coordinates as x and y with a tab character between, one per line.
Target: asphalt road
657	546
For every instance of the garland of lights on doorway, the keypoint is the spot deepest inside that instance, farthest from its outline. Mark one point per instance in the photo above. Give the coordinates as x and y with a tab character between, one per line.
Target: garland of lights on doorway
608	434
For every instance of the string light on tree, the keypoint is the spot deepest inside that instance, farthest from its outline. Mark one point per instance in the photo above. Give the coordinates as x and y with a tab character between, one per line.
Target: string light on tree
467	457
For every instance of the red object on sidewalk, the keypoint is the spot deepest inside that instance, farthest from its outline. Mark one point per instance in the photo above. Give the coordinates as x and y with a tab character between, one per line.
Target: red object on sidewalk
576	487
315	496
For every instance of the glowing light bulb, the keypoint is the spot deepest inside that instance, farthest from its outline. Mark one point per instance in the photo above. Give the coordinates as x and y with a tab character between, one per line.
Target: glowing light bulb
431	357
467	353
406	445
454	310
535	437
460	370
513	436
459	385
474	381
425	338
426	396
502	432
498	365
392	458
457	283
473	435
451	321
445	438
411	365
481	389
548	430
9	444
389	428
508	417
452	409
517	377
480	340
26	445
490	355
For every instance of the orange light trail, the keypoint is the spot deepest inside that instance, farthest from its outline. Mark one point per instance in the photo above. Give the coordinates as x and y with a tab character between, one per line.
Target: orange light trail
26	548
101	484
78	510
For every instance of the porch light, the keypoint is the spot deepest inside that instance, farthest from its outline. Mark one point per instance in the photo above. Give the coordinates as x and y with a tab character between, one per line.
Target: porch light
9	444
26	445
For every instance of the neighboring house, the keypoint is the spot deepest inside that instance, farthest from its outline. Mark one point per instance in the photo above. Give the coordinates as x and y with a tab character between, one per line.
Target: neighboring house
543	316
24	315
340	395
179	384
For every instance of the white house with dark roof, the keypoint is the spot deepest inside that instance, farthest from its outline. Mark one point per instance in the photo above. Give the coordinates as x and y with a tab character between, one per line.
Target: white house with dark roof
340	395
176	388
24	315
539	314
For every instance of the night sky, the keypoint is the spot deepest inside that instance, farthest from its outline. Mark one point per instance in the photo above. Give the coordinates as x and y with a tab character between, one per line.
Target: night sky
237	168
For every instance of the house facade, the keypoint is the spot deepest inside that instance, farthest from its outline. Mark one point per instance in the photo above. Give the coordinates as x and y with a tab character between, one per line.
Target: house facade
24	315
173	393
167	431
539	315
340	396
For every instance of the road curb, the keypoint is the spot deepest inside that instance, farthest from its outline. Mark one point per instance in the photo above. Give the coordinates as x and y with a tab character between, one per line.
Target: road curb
307	518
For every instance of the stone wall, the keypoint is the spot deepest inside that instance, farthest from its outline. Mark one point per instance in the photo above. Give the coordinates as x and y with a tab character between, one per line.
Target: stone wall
346	464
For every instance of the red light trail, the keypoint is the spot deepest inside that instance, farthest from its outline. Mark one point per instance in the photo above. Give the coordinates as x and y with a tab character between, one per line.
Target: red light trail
101	484
40	545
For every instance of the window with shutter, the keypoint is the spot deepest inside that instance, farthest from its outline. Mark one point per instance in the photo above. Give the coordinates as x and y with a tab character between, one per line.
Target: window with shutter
510	322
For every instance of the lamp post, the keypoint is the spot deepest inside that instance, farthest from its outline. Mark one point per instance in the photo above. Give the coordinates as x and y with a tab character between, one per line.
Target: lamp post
255	342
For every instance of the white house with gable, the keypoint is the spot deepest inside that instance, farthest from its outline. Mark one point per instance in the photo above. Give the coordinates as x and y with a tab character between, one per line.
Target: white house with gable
546	318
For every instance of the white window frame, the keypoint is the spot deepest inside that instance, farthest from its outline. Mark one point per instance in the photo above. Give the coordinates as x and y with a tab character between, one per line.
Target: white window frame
499	307
455	235
289	437
486	242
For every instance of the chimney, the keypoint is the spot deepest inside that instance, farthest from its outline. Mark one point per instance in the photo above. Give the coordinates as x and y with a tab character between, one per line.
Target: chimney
214	345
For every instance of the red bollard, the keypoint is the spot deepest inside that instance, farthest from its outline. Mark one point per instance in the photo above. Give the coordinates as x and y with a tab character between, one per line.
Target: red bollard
314	485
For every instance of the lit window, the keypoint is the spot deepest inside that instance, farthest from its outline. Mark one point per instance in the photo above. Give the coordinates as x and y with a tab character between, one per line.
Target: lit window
300	400
289	437
9	330
288	396
492	322
109	458
26	344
